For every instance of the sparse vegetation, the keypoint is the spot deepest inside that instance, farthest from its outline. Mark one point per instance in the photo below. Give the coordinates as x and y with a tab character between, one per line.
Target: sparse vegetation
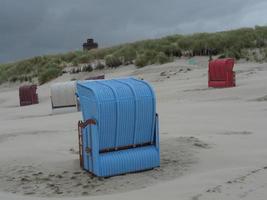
50	72
162	58
83	58
99	66
238	44
147	57
112	61
87	68
141	61
126	54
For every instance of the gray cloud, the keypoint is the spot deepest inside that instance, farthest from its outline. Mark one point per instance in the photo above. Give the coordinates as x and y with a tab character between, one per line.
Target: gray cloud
36	27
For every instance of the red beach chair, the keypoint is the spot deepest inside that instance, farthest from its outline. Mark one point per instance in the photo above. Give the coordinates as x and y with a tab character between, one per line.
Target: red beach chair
28	95
221	73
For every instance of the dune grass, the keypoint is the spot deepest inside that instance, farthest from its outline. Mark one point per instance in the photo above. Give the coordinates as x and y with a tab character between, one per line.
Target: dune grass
233	43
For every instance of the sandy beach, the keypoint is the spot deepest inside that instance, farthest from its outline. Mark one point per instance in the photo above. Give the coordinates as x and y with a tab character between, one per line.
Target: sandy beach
213	141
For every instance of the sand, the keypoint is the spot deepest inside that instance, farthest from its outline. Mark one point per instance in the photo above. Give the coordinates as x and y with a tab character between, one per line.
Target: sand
213	141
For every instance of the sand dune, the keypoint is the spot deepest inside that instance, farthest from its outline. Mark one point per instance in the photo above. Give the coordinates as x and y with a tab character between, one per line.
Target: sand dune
213	141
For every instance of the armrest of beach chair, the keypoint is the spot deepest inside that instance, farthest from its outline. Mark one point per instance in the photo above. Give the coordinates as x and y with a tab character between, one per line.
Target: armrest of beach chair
92	148
157	131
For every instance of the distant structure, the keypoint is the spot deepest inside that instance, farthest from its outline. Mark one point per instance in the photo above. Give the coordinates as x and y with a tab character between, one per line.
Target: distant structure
90	44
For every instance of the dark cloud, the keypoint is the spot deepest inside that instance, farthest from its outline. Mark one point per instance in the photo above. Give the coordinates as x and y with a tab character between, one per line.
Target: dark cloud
35	27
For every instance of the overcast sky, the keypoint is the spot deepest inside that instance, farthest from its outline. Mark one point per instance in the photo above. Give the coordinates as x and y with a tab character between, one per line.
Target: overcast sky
36	27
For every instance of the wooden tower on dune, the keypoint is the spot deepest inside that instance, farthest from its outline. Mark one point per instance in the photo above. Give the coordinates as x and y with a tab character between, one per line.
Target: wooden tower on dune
90	44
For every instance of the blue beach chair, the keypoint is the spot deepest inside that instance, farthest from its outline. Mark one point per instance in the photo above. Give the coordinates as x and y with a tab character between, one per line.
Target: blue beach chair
120	132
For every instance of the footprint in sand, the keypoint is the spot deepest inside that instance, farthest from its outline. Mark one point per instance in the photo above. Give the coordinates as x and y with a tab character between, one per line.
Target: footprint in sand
261	99
239	187
177	157
237	133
